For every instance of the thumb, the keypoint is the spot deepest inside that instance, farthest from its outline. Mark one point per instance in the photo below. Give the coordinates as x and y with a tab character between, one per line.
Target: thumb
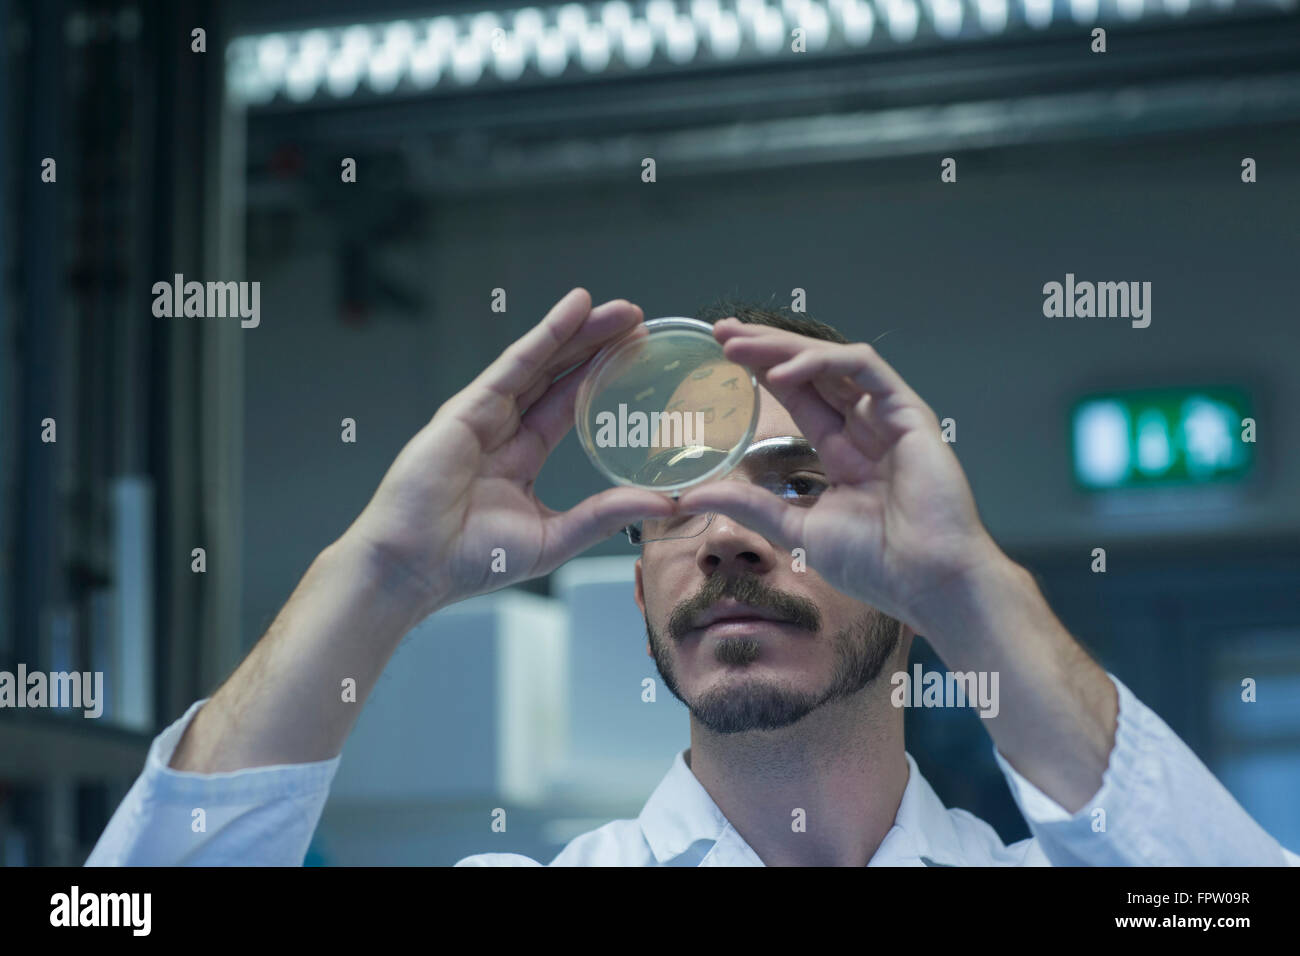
754	507
591	521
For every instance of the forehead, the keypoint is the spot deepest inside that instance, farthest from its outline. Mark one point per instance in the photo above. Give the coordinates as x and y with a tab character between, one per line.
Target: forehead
773	418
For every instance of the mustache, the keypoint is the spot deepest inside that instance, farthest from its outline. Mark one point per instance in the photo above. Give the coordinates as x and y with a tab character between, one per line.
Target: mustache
748	589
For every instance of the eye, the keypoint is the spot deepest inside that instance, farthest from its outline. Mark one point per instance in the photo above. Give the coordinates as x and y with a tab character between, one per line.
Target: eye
803	489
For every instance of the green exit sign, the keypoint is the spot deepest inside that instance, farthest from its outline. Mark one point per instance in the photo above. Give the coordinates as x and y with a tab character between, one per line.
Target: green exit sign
1153	438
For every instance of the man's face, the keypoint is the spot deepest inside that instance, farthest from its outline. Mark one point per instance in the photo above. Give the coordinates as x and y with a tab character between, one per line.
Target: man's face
743	672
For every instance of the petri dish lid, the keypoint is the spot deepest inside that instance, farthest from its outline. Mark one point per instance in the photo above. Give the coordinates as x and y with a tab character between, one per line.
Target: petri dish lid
662	408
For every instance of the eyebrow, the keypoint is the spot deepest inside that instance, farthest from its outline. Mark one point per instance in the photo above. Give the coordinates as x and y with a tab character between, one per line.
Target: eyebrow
788	454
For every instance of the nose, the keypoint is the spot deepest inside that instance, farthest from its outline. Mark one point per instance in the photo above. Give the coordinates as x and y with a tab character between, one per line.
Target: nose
727	546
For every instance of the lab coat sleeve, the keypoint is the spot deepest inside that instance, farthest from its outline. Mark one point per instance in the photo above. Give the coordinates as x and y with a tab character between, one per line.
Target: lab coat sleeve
1158	806
264	816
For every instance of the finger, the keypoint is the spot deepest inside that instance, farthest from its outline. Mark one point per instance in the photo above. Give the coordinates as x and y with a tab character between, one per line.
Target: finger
542	427
528	358
591	521
794	354
551	416
548	420
756	508
731	326
858	425
607	323
762	350
859	362
890	412
841	451
844	460
810	411
839	393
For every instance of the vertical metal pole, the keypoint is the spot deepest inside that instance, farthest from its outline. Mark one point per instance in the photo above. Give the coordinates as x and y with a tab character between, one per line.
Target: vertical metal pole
224	342
7	422
38	577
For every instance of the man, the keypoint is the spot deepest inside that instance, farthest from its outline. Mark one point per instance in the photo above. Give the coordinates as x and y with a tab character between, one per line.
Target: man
786	672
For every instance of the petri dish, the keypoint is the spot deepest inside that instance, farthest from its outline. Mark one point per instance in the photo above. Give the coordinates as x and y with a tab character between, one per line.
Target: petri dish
662	408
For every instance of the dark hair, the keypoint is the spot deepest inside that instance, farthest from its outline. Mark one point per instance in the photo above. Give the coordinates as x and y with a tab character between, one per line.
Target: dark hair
777	316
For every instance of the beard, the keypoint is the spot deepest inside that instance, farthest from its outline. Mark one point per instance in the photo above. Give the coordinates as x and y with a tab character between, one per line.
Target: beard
861	651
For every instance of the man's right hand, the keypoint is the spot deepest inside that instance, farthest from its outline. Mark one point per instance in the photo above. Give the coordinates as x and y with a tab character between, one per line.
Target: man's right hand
463	486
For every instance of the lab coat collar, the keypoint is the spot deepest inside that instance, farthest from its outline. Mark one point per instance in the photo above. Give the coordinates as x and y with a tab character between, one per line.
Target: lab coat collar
684	827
